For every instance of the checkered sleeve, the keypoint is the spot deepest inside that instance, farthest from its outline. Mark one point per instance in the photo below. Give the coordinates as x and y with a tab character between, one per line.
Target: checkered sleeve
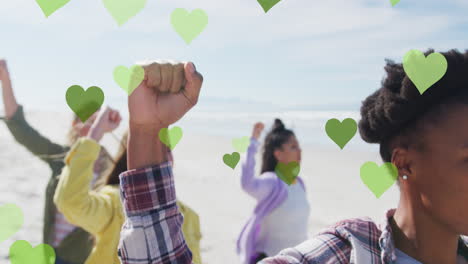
152	232
321	249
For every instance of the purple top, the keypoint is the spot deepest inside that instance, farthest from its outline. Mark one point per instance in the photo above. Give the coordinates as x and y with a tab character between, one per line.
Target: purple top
269	190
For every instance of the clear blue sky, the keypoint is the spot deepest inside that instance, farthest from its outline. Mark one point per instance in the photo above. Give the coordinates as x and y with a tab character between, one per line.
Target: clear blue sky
302	52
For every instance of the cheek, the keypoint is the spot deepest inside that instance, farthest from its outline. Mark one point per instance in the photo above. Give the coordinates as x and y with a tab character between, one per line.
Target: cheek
442	190
293	155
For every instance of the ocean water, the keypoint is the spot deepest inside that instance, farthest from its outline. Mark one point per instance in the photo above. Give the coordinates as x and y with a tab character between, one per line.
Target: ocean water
309	126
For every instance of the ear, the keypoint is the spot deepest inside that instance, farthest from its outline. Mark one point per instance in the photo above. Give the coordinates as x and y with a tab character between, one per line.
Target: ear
401	159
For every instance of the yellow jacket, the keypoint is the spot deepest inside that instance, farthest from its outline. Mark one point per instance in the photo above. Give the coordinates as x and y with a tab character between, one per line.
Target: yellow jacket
100	212
191	231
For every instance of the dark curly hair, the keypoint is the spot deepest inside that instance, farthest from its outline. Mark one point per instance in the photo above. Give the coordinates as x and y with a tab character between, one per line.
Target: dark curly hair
397	114
277	136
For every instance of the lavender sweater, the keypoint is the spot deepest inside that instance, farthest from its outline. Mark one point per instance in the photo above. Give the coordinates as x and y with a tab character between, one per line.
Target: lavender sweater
269	191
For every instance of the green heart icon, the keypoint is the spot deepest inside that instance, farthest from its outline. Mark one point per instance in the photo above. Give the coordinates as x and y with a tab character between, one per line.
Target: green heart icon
422	71
127	79
84	104
268	4
241	144
341	132
171	137
21	252
123	10
231	160
50	6
378	180
287	172
394	2
189	25
11	220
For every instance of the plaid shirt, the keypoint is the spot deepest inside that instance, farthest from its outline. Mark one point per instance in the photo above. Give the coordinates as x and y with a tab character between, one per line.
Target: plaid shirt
352	241
152	233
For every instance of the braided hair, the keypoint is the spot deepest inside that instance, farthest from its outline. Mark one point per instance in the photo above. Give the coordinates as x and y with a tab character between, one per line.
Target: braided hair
396	115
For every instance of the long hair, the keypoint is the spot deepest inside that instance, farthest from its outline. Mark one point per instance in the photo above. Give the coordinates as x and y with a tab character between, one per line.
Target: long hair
274	140
119	166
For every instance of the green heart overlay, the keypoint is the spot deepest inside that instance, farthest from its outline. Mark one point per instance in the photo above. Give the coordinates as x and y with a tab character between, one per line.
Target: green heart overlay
287	172
341	132
123	10
394	2
241	144
231	160
21	252
84	103
11	220
129	79
50	6
379	179
189	25
268	4
424	72
170	137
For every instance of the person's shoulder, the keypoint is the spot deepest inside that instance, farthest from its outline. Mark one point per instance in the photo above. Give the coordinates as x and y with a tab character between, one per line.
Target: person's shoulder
331	245
356	225
324	248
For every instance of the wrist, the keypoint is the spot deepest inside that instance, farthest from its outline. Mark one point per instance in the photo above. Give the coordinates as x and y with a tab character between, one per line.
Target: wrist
96	133
144	147
145	128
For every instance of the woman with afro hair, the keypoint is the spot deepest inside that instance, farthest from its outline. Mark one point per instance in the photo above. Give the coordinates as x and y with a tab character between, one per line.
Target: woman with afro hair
426	138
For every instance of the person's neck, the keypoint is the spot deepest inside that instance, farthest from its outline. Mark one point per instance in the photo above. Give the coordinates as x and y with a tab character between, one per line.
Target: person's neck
422	237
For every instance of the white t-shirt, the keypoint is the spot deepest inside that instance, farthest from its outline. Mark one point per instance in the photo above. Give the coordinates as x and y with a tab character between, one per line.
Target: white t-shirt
286	226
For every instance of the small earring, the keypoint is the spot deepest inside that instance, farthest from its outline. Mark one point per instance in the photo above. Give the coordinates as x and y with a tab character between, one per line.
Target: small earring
405	177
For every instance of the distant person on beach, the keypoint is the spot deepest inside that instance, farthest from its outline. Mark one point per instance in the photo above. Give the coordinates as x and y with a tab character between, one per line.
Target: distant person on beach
424	135
72	244
97	209
281	215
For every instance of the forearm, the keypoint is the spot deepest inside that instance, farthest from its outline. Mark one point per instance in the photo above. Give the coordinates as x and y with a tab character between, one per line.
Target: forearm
9	100
144	147
31	138
248	167
95	133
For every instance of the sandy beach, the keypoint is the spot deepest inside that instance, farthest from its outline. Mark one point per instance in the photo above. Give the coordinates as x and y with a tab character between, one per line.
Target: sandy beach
334	188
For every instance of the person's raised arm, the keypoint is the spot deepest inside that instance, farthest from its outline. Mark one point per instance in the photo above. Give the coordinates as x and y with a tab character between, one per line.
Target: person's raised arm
9	100
147	189
73	196
20	128
254	186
